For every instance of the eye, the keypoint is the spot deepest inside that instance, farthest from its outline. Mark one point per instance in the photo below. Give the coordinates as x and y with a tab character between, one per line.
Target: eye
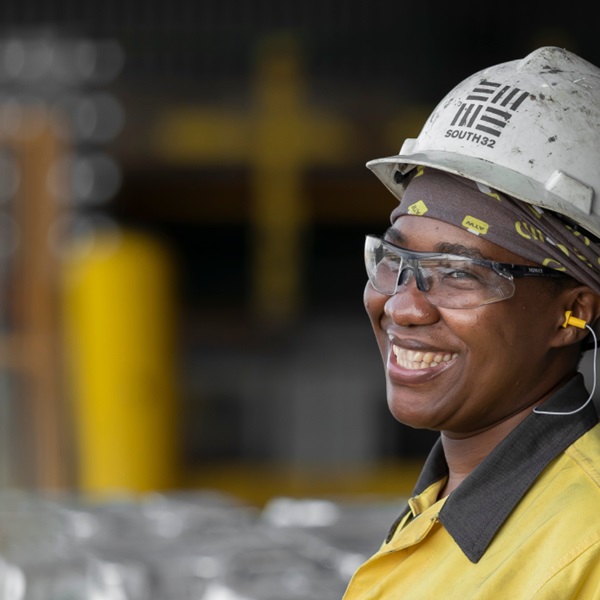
464	274
460	274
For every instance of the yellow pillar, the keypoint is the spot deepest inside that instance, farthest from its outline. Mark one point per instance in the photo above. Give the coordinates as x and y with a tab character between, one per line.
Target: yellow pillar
120	324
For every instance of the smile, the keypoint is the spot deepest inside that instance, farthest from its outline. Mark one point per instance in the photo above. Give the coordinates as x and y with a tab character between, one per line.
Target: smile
416	359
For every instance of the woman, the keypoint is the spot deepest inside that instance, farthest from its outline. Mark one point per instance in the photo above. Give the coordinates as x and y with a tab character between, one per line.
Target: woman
483	294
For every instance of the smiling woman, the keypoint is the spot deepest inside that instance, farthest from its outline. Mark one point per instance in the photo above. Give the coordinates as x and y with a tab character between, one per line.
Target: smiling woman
482	296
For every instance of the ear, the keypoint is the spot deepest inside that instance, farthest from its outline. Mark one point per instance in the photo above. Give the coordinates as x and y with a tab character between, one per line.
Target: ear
581	307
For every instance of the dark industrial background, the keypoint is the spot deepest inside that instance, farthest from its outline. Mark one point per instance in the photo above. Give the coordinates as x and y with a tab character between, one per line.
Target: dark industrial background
245	129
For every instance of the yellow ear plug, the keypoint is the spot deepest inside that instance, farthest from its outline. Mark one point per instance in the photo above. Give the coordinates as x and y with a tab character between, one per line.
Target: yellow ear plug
569	320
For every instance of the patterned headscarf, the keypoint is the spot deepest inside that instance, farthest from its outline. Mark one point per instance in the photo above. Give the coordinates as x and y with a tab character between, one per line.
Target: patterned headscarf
527	230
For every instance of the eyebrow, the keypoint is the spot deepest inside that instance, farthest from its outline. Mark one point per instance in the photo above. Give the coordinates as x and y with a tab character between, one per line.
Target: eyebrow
395	237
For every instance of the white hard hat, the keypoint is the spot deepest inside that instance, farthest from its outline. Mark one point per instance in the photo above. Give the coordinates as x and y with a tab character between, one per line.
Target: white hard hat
529	128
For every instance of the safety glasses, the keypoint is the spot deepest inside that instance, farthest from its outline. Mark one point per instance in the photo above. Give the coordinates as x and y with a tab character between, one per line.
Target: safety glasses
447	280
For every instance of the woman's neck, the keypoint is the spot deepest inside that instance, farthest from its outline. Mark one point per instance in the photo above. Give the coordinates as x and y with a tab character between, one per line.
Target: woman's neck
464	453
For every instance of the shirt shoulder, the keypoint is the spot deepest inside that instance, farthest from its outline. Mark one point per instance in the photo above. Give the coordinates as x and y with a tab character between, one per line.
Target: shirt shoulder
585	454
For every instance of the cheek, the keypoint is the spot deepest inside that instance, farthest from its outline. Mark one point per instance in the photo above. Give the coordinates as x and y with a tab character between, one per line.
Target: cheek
483	332
500	340
373	302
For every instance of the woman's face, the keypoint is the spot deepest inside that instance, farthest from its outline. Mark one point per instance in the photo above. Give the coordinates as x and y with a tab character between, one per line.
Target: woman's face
462	371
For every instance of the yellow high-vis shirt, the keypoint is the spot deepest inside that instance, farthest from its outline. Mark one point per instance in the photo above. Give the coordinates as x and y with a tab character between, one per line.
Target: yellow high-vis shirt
525	524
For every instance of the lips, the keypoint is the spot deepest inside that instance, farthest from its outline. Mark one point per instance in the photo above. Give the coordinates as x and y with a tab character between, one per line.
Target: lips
419	359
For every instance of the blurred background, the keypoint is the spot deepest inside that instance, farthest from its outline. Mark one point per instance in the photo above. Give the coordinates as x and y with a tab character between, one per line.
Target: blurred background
183	203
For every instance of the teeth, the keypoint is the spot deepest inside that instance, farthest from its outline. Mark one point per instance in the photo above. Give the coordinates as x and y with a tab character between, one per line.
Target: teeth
409	359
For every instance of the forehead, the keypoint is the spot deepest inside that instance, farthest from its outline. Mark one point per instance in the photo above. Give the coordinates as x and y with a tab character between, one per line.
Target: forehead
425	234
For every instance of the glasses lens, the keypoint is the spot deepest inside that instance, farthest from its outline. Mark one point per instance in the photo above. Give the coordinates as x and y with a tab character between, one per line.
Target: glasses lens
464	283
448	282
382	266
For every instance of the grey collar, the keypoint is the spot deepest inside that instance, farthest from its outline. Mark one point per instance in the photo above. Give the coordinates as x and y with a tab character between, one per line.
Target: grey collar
475	511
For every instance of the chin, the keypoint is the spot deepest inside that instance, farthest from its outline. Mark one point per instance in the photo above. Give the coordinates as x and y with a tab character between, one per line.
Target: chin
411	413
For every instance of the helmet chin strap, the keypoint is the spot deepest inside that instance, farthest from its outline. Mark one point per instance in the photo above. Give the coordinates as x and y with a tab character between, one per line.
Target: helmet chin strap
569	320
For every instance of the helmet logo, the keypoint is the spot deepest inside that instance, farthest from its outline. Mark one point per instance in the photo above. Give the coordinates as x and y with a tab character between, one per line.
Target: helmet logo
488	109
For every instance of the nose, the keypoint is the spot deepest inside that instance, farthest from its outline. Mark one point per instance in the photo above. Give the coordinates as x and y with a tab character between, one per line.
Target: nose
409	306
